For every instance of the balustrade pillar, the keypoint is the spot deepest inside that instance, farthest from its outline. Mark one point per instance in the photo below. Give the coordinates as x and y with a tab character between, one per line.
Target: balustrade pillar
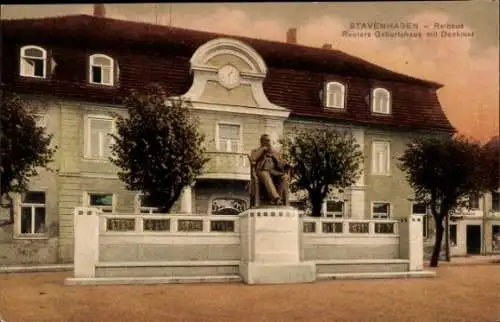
187	200
411	245
86	247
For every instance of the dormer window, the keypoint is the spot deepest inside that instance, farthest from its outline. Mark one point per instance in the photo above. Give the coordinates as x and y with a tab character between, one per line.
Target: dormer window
381	101
33	62
334	95
101	70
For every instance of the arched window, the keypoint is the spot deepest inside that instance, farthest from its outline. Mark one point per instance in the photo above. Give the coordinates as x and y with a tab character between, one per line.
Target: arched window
33	62
381	101
228	206
101	70
335	95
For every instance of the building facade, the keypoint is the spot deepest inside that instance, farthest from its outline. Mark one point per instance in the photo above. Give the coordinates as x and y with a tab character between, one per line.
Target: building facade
472	231
77	69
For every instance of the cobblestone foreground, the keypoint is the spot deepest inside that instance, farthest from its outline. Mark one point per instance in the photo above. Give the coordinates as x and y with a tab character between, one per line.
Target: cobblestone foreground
459	293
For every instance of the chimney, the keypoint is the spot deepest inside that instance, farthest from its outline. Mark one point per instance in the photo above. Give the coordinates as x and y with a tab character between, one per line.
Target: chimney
99	10
291	36
327	46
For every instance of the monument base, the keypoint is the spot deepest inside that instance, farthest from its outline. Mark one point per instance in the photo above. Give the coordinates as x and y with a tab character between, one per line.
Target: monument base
270	247
278	273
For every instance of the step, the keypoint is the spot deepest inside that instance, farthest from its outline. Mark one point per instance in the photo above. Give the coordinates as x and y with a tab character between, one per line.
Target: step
167	269
36	268
153	280
361	266
376	275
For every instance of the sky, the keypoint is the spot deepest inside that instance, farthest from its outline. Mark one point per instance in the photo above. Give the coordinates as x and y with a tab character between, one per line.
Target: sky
467	65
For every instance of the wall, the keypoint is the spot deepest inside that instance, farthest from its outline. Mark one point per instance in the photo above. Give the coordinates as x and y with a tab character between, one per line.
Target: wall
16	249
370	188
468	217
392	188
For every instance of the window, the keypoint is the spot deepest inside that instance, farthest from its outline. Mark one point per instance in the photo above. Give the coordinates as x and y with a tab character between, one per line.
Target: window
33	62
495	201
146	206
335	95
425	224
381	158
381	210
229	138
103	201
381	101
495	234
101	70
419	209
453	235
98	139
32	216
334	208
228	206
474	202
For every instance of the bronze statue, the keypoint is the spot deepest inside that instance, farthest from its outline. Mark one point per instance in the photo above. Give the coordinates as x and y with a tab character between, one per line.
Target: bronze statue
270	170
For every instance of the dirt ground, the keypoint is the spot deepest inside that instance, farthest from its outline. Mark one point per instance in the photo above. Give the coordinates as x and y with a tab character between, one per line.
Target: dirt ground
460	293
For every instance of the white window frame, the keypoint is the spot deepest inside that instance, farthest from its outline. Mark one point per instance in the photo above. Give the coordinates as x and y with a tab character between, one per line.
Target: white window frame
87	194
22	64
327	90
380	215
385	109
88	131
375	169
340	214
143	210
111	69
18	205
217	140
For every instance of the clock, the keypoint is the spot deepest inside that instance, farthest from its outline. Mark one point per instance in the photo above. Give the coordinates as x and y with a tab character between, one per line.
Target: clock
229	76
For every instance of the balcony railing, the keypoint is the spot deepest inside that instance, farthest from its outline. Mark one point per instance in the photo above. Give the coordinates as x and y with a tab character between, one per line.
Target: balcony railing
227	165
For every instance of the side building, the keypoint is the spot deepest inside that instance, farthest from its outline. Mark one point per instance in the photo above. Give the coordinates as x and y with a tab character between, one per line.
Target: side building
77	69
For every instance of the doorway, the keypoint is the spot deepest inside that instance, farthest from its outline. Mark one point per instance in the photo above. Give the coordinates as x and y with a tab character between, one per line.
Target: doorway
473	239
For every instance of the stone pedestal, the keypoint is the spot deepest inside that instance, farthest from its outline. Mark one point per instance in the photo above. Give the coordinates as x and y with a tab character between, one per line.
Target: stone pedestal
411	242
86	242
270	247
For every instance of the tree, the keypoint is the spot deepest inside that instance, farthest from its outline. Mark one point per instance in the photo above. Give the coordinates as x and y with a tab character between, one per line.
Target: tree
157	147
443	173
24	149
321	161
490	163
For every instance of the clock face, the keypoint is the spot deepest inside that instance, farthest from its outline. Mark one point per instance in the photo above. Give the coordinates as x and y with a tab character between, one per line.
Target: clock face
229	76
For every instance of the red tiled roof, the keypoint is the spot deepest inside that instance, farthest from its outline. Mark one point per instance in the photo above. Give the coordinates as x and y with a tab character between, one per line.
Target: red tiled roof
160	53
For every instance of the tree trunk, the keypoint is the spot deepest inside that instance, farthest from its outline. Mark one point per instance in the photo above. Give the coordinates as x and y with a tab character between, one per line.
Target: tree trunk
316	204
437	243
316	209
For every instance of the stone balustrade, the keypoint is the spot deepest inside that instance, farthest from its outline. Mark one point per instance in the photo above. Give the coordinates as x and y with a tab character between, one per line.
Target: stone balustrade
166	223
227	165
312	225
104	238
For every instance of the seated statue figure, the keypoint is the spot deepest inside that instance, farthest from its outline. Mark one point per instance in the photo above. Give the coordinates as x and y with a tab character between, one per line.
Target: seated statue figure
269	168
